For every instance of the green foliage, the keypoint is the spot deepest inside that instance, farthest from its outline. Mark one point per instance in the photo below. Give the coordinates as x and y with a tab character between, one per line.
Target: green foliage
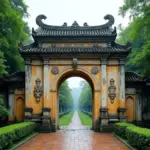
65	96
86	95
136	136
120	129
85	119
11	134
138	32
13	30
3	110
2	65
65	120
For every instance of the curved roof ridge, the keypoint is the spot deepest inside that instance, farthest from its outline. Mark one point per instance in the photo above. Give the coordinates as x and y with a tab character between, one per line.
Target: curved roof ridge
75	25
15	73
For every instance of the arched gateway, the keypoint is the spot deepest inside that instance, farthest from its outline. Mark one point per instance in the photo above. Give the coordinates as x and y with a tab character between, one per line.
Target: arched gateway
63	51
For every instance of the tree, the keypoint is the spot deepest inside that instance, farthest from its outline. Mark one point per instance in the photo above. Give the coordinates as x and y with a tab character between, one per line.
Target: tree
12	30
138	32
2	65
65	96
3	110
85	100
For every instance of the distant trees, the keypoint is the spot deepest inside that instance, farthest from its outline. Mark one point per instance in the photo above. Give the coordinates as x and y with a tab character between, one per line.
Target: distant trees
138	33
13	30
65	98
85	100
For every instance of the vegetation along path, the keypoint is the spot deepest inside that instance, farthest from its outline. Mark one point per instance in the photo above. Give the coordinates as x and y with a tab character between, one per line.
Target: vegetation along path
66	119
85	118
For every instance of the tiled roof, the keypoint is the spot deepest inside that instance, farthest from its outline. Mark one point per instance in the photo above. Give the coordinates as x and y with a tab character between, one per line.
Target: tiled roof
71	50
133	77
20	77
15	77
75	29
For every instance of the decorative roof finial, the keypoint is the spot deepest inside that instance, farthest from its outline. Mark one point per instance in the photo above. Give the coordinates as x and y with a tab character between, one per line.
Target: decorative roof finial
75	24
65	24
85	24
111	20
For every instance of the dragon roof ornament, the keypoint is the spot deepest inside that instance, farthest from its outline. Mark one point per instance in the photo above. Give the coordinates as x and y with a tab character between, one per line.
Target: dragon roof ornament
41	24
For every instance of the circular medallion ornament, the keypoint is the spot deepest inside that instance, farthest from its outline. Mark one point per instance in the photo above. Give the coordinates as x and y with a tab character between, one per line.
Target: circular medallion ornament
94	70
55	70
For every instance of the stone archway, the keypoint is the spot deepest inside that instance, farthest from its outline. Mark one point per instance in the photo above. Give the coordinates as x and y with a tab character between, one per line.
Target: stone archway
80	72
64	51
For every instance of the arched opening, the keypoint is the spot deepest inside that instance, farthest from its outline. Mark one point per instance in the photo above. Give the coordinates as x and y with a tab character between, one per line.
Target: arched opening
20	109
88	82
130	108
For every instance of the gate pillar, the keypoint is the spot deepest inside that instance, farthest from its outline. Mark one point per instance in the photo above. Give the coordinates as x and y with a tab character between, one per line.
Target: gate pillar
122	109
104	107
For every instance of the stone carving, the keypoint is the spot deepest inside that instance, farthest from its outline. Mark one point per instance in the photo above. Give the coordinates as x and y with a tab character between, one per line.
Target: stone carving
55	70
75	24
94	70
37	90
112	91
75	63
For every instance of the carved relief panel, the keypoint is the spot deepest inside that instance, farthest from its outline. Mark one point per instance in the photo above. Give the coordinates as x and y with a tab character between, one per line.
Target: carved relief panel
38	90
112	90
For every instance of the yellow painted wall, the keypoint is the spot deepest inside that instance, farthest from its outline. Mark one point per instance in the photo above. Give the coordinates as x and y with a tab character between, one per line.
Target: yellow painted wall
37	72
112	72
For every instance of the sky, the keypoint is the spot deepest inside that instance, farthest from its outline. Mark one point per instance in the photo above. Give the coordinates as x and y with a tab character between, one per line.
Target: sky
60	11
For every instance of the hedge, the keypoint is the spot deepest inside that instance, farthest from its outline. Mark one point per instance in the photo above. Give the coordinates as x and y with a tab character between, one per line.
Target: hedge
120	129
13	133
136	136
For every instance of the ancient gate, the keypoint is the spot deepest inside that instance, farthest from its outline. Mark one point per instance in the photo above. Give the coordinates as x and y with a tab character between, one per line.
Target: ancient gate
59	52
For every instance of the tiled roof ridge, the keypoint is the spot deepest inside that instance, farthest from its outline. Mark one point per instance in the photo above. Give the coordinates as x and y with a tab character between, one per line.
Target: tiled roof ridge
14	75
75	25
132	76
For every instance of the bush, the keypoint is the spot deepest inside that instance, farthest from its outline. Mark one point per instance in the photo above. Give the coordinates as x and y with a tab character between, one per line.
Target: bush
11	134
3	110
120	129
136	136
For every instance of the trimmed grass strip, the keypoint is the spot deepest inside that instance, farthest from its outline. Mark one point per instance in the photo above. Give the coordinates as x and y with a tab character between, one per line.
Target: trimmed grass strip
85	119
66	119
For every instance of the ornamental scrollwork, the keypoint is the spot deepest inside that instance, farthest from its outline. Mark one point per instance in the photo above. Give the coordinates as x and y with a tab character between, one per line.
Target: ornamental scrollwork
74	63
38	90
55	70
112	91
94	70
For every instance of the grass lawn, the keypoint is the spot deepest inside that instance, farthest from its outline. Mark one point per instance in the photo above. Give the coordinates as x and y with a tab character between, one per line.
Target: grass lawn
65	120
85	119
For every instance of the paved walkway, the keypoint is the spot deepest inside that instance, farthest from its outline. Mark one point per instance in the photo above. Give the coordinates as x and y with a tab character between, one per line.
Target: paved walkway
75	124
77	138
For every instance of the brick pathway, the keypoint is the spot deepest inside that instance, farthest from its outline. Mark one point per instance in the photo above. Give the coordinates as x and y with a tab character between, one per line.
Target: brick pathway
75	137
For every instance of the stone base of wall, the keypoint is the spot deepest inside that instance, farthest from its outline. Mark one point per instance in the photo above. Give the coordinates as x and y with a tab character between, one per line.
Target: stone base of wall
107	128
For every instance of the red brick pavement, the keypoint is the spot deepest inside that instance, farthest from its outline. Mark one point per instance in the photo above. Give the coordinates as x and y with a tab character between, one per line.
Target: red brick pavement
74	138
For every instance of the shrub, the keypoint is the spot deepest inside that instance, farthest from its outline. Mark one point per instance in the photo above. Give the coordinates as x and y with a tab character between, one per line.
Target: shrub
3	110
11	134
120	129
136	136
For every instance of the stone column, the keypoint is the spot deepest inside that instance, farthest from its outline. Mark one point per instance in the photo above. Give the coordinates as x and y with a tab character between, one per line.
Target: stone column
122	109
104	108
138	105
46	120
46	82
11	104
28	89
